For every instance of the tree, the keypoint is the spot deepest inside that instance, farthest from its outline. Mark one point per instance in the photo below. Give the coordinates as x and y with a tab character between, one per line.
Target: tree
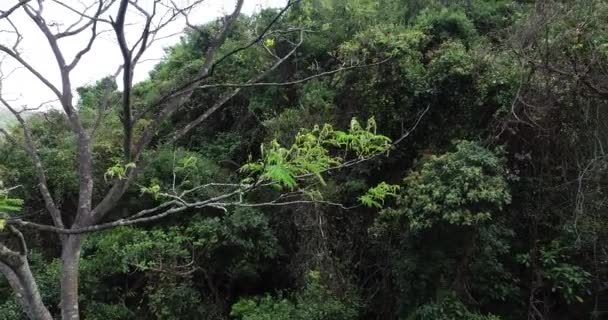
507	223
143	119
460	194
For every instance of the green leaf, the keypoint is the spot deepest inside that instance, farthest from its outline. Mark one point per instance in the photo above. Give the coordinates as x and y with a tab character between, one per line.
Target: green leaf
281	175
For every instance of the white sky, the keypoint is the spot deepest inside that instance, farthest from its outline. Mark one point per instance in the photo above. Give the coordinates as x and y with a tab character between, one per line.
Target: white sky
104	57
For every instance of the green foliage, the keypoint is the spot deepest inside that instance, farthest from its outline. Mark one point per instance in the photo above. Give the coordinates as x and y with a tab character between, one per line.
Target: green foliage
565	277
100	95
178	170
314	302
236	242
464	187
180	301
383	41
8	204
445	24
10	310
118	171
491	263
102	311
310	153
459	238
265	308
448	308
225	146
489	16
452	65
153	190
375	196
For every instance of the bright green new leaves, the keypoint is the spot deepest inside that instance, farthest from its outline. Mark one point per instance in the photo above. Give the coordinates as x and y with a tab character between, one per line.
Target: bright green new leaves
153	190
8	205
269	42
464	187
310	154
363	141
118	171
375	196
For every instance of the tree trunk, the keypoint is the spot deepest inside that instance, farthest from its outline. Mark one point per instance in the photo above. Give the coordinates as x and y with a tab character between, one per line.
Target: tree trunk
70	259
23	283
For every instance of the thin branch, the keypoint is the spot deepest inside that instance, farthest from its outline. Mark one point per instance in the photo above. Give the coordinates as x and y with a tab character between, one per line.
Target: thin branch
215	64
8	256
285	203
135	219
180	205
146	137
6	13
15	55
93	20
184	130
357	161
19	236
31	150
293	82
81	13
94	34
70	28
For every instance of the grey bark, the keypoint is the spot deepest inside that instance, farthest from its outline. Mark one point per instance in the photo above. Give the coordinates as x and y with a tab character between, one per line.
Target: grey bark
20	278
70	261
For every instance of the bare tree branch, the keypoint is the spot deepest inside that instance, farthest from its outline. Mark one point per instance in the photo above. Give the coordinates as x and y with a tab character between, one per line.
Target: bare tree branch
94	34
185	129
15	55
293	82
6	13
83	144
31	150
168	108
82	14
92	20
214	65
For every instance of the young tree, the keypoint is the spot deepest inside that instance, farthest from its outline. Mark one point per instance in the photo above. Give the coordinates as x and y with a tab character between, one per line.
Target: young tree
144	132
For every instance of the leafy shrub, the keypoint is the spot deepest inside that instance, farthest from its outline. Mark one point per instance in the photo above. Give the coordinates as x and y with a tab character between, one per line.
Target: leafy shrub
464	187
447	308
314	302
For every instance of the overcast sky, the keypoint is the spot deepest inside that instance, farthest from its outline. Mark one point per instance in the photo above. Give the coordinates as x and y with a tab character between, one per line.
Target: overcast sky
104	57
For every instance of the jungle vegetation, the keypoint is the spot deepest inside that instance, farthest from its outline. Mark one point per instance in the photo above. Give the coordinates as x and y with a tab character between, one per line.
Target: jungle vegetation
329	160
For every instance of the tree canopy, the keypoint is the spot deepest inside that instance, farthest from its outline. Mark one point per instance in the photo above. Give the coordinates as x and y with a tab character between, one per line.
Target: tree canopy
328	160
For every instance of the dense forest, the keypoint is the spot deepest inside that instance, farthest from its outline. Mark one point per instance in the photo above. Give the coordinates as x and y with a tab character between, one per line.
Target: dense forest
332	159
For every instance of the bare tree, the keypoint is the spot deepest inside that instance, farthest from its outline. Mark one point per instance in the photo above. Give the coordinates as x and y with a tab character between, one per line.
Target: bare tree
114	17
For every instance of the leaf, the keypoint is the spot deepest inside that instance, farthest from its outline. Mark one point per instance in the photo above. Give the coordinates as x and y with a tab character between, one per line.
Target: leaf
281	175
374	197
118	171
269	42
10	204
153	190
311	153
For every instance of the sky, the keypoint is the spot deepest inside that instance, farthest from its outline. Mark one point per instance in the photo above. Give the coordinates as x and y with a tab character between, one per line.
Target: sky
23	89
